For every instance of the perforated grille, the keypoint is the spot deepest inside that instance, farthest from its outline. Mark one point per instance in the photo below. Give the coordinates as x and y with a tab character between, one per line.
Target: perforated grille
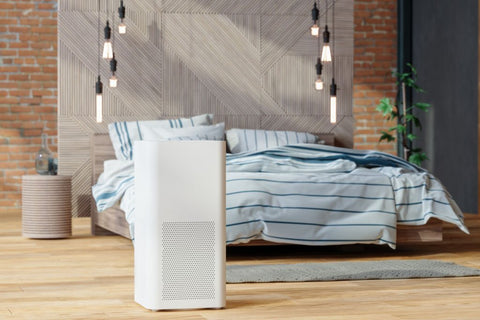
188	260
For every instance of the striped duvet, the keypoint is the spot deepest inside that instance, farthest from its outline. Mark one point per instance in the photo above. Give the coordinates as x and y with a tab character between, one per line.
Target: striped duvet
312	195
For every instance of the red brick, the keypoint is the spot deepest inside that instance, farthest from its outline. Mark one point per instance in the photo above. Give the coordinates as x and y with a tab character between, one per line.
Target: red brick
28	117
43	14
41	45
6	6
32	132
9	69
49	22
20	109
49	101
30	69
23	6
46	6
50	69
44	30
43	77
8	100
30	21
19	93
46	61
18	77
8	52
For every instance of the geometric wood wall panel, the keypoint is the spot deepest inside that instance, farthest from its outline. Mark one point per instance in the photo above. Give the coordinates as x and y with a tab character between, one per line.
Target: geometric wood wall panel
249	62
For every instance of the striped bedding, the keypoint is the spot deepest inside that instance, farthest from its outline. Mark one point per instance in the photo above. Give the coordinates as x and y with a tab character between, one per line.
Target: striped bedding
311	195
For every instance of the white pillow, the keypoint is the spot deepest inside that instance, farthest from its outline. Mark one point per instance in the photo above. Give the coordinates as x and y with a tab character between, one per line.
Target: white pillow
242	140
123	134
213	132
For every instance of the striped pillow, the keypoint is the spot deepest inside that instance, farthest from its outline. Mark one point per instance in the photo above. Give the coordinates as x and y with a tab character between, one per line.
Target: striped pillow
123	134
242	140
213	132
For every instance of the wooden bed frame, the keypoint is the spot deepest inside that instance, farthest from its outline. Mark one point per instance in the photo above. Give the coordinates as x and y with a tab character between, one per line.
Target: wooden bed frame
112	220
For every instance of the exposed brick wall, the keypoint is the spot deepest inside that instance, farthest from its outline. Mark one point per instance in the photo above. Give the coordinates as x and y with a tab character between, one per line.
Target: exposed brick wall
28	90
375	58
28	82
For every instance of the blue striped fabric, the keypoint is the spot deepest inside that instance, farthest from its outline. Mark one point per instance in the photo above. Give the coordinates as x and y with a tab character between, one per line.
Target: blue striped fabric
310	209
124	133
213	132
244	140
315	195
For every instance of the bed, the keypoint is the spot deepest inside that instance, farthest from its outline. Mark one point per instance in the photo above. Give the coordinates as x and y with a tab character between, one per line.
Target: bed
113	221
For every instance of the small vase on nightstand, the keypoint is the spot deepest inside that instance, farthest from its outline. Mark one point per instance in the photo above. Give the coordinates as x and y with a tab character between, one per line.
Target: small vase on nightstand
44	158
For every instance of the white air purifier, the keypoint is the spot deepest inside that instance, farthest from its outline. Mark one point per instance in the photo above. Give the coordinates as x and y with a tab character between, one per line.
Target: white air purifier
179	224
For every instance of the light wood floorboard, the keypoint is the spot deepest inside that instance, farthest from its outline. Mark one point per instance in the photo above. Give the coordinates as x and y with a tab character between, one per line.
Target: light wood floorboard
87	277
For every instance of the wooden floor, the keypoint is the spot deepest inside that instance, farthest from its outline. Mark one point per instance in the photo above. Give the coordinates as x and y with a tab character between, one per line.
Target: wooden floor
87	277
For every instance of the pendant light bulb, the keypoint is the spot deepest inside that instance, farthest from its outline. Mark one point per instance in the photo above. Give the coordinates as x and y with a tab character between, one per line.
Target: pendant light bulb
319	81
107	46
99	100
122	27
113	68
326	53
113	81
319	84
333	109
107	50
333	102
315	30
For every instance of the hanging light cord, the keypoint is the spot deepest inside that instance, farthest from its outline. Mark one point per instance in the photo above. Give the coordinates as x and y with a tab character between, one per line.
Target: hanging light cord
318	38
98	39
326	12
113	27
333	39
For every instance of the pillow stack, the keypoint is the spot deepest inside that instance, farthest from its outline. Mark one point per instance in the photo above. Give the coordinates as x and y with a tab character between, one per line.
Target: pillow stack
244	140
123	134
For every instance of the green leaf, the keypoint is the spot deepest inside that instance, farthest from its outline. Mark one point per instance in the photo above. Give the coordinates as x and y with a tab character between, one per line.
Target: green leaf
417	123
418	89
386	136
385	106
410	117
422	106
411	136
415	120
392	129
400	128
417	158
403	76
409	82
414	71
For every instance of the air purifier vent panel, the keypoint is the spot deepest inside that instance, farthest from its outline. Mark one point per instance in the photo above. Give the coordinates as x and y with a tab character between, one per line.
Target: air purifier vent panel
188	260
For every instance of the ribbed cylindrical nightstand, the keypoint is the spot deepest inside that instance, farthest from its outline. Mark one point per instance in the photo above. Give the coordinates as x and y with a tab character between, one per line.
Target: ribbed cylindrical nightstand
46	207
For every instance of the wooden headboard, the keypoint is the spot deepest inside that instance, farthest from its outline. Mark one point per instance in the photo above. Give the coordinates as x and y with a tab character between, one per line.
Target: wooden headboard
100	151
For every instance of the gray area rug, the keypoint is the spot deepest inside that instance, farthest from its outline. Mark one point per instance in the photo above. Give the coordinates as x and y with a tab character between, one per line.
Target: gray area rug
329	271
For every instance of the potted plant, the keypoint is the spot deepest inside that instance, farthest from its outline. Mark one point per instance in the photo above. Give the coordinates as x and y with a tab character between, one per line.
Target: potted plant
406	119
